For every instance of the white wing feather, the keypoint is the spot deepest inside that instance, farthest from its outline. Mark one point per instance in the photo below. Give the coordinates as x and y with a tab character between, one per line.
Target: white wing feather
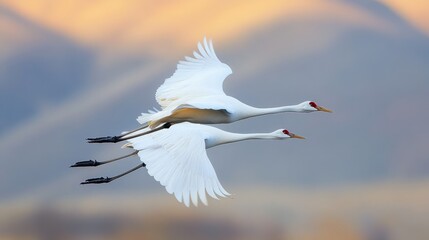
176	157
195	77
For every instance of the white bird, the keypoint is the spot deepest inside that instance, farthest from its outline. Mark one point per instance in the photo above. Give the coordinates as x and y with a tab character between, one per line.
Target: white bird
195	94
177	158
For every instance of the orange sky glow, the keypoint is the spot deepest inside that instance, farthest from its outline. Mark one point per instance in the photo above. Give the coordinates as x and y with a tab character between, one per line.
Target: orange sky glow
145	25
416	12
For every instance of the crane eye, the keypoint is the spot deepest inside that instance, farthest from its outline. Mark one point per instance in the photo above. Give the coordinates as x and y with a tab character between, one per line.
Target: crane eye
313	104
286	132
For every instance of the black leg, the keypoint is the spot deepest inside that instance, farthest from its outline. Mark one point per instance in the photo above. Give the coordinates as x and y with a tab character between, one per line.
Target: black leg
120	138
109	179
114	139
94	163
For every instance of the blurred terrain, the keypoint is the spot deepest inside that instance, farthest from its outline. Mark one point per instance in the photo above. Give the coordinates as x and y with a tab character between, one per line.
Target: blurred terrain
76	69
382	211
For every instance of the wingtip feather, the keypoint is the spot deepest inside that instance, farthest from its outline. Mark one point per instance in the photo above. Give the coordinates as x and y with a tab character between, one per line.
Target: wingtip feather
194	198
186	198
197	55
202	50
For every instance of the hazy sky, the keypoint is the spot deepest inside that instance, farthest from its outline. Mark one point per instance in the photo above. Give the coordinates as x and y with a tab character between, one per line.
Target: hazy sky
76	69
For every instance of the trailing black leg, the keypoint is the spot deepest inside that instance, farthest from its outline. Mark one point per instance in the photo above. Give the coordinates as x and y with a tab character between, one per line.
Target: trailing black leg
94	163
121	138
114	139
109	179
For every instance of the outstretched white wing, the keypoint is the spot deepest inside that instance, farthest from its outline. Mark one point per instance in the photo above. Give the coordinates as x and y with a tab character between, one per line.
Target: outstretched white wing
176	157
195	77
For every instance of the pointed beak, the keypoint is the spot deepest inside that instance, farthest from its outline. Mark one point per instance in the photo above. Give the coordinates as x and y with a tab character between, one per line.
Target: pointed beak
319	108
296	136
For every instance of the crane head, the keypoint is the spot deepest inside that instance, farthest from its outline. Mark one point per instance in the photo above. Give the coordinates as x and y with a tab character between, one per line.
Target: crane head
311	106
283	133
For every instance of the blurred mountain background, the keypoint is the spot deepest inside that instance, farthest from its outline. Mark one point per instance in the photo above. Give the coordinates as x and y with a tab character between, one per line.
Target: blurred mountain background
76	69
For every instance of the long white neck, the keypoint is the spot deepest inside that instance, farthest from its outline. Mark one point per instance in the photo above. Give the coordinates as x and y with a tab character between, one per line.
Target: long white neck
228	137
253	111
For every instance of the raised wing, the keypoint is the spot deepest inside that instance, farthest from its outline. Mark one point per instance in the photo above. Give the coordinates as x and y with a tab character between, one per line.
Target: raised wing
176	157
195	77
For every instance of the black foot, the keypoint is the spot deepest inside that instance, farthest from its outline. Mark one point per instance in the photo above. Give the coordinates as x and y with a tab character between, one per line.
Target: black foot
89	163
97	180
107	139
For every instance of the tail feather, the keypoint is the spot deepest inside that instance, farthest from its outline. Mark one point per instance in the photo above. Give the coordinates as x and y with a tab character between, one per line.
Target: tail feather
145	118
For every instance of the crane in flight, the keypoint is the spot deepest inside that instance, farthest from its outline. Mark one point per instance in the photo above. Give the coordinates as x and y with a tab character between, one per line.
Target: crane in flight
194	93
177	158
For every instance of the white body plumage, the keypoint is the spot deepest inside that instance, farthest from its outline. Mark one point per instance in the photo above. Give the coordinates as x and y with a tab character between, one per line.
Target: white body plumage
177	158
194	93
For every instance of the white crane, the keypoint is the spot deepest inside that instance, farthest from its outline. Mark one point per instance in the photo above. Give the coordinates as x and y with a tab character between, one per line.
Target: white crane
177	158
195	94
